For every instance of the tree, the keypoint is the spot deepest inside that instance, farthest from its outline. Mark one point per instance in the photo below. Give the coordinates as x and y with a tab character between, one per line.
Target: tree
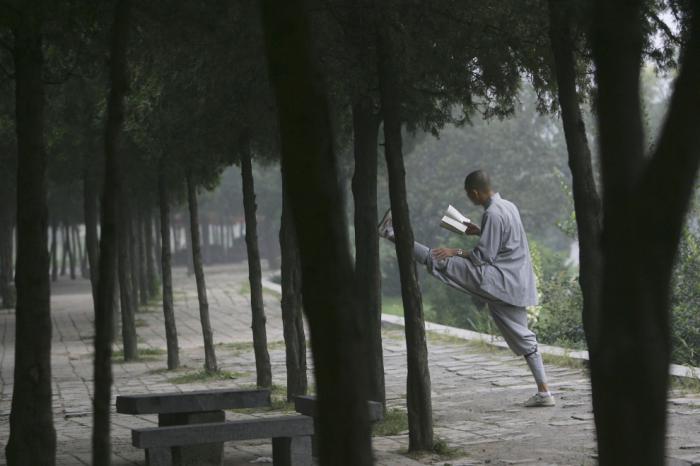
8	201
587	202
166	271
32	436
292	321
209	352
104	310
651	193
262	358
309	170
420	416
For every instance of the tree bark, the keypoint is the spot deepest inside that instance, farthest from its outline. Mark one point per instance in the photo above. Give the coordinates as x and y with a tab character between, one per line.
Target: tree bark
32	436
104	310
134	255
257	307
78	248
67	259
420	416
629	365
311	184
158	245
151	274
54	251
209	354
126	282
166	273
90	212
367	270
7	214
142	252
292	321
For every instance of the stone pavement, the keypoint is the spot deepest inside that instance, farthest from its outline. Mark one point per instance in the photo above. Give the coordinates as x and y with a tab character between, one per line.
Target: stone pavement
477	390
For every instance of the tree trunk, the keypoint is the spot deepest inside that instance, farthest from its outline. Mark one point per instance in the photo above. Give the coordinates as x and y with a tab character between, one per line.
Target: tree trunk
209	354
151	277
109	232
587	202
312	187
78	248
71	250
91	215
32	437
166	273
262	358
54	251
65	250
126	282
142	252
158	246
7	214
190	250
420	415
367	270
292	321
629	364
134	256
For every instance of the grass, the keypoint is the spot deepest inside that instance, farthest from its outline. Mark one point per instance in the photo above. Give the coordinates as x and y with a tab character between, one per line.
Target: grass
247	346
565	361
392	305
685	385
142	354
206	376
395	421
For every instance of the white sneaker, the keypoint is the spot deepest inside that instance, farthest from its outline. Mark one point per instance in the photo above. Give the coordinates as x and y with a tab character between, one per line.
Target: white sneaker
540	401
386	228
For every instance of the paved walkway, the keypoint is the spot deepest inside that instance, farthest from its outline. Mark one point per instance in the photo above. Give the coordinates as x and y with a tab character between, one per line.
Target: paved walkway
477	390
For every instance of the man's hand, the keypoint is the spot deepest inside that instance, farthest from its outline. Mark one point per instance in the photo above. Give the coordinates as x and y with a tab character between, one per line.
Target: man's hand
444	253
472	229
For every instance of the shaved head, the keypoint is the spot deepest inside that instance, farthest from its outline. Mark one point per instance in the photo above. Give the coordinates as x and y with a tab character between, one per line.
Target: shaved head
478	180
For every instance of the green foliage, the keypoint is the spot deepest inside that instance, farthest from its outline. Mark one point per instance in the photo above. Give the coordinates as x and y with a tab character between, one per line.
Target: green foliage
557	318
685	318
395	421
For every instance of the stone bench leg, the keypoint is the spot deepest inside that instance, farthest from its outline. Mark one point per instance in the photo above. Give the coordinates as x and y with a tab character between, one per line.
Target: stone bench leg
294	451
207	454
159	457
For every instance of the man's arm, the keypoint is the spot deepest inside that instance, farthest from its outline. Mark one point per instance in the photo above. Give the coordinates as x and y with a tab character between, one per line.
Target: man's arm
490	242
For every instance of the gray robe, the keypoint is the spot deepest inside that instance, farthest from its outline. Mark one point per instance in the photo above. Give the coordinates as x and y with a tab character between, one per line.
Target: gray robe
502	257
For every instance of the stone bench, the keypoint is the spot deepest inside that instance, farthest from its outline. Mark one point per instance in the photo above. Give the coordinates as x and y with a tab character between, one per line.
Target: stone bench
291	439
191	408
306	405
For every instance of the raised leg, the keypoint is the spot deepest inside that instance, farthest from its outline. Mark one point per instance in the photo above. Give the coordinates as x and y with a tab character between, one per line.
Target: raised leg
294	451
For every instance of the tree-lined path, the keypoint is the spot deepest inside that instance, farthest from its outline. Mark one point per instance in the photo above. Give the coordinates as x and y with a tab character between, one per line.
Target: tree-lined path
476	391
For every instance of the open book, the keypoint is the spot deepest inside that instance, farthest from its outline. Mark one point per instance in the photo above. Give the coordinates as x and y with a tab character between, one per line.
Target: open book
454	221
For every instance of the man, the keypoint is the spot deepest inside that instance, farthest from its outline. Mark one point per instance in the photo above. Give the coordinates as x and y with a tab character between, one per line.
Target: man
498	271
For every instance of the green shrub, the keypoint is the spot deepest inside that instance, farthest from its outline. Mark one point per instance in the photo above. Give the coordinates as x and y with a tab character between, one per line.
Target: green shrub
557	318
685	302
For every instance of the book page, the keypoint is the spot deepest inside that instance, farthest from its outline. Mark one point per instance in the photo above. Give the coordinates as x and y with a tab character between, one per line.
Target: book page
456	215
453	225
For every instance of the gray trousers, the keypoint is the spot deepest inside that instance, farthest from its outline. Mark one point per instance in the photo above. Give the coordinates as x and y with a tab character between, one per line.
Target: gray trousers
460	273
